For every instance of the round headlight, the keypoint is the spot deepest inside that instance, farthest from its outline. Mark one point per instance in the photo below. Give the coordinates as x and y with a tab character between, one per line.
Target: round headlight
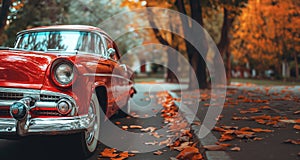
64	73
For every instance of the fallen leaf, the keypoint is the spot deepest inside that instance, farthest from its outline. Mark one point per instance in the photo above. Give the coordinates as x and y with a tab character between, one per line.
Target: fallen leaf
124	127
290	120
262	130
238	132
264	117
135	127
235	149
250	110
292	141
245	129
226	137
109	153
230	127
260	121
296	127
165	142
244	134
239	118
214	147
158	152
126	154
189	153
297	112
219	129
264	107
183	146
148	129
156	135
223	144
257	139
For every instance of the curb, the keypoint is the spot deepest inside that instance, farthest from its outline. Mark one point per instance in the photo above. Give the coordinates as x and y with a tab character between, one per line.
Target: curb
210	139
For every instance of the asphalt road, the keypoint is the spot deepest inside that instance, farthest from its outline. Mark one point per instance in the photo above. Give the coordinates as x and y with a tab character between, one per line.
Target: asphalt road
53	147
281	101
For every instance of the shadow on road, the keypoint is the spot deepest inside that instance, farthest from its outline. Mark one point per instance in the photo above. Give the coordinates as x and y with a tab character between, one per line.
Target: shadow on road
40	147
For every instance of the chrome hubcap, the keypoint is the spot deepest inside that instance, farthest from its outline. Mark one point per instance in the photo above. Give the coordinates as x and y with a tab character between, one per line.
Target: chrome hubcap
91	132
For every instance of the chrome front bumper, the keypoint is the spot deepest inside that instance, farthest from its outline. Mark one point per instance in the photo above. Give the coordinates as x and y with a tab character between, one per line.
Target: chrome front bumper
44	100
46	126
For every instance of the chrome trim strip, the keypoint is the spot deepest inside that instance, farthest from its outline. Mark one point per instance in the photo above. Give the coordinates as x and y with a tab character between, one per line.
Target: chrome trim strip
48	126
36	95
19	90
106	75
38	104
8	125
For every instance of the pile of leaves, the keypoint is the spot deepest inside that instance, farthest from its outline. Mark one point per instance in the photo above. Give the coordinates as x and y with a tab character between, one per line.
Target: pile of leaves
179	136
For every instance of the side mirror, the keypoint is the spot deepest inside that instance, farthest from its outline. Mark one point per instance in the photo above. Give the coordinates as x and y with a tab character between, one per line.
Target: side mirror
111	52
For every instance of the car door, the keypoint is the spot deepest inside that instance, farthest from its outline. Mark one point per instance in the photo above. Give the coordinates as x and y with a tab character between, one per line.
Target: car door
119	75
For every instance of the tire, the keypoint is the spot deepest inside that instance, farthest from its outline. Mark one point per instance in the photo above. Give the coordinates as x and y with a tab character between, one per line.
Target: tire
88	140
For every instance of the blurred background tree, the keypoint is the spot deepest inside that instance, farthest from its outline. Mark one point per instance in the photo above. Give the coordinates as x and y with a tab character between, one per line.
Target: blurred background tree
27	14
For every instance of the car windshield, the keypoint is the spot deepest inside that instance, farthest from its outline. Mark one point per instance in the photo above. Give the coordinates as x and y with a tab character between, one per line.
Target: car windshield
68	41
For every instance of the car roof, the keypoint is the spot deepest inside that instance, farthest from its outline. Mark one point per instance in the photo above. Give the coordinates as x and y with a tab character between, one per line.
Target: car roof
64	27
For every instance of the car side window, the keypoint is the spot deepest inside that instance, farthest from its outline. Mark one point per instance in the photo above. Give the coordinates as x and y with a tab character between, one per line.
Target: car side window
87	43
110	44
99	46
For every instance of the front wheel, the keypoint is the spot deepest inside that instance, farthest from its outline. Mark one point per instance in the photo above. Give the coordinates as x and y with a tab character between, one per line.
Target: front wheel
88	140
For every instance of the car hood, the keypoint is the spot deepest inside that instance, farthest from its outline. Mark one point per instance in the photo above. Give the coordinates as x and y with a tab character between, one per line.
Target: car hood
23	69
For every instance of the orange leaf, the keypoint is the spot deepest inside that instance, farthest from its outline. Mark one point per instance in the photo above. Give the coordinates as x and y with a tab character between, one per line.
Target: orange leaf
226	137
264	107
223	144
135	127
260	121
261	130
257	139
264	117
148	129
189	152
124	127
296	127
126	154
235	149
292	141
214	147
290	120
250	110
110	153
245	129
219	129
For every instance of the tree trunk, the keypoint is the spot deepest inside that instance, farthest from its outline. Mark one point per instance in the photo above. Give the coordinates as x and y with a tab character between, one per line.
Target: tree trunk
172	67
172	58
3	14
224	43
196	60
296	65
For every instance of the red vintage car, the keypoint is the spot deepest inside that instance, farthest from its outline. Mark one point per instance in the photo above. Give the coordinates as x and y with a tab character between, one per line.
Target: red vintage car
58	80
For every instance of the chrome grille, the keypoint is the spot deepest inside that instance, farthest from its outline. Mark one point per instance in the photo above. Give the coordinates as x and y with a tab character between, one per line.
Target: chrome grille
44	97
10	96
4	112
46	113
